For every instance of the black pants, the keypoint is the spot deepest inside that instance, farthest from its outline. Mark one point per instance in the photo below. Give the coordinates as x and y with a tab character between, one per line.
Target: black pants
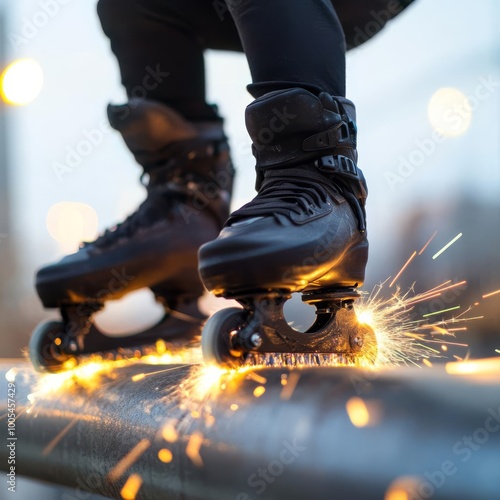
159	44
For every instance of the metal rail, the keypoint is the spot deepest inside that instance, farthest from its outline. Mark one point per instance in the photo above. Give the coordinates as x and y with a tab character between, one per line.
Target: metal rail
329	433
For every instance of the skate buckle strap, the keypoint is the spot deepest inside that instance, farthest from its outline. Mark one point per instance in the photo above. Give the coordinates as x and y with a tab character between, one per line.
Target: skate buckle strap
341	135
351	181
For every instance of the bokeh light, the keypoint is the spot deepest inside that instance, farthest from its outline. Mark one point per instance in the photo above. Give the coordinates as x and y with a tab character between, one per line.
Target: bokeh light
450	112
70	223
21	82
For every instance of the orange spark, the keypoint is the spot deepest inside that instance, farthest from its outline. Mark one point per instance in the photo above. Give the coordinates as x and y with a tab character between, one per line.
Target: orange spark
169	432
258	391
428	242
48	449
193	448
402	269
129	459
131	487
491	294
165	455
289	388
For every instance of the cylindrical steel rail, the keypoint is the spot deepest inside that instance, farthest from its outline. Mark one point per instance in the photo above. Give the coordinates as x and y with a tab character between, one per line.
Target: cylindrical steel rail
329	433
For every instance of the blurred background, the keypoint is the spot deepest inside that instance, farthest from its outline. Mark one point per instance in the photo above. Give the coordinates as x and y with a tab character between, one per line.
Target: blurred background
427	91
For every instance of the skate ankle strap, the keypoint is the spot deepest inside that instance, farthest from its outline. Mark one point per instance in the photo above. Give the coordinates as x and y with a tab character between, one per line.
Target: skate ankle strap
349	178
343	135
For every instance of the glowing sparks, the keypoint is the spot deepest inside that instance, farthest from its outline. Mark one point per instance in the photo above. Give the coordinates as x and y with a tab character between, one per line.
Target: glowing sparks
428	243
403	269
138	377
441	311
257	378
48	449
402	488
234	407
259	391
131	487
169	432
193	448
289	387
360	414
427	362
486	367
491	294
165	455
497	351
129	459
448	245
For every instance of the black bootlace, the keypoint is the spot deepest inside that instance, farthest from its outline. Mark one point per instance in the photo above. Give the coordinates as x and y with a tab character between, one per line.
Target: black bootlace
288	191
157	207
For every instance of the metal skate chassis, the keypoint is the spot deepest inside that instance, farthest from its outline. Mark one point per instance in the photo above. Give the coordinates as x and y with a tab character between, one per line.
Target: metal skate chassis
53	343
259	334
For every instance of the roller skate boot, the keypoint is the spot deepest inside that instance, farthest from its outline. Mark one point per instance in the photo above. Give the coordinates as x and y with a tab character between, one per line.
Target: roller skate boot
188	177
305	231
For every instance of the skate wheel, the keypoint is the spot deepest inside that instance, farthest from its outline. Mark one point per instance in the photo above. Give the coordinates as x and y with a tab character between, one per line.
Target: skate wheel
215	338
45	347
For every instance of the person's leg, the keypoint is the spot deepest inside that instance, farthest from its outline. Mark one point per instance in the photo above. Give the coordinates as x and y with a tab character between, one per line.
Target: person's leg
292	44
179	141
167	38
306	228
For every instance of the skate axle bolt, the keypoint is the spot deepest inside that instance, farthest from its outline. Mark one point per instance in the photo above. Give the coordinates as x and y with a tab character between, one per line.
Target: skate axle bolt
256	340
358	341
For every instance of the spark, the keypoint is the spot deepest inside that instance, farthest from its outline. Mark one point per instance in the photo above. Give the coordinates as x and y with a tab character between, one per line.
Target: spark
257	378
497	350
363	413
259	391
448	245
129	459
358	412
439	312
169	432
491	294
193	448
289	387
131	487
427	362
489	366
165	455
234	407
402	269
428	242
50	447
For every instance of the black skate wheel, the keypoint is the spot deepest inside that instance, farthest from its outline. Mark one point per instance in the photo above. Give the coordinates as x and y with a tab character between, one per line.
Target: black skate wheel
216	335
45	345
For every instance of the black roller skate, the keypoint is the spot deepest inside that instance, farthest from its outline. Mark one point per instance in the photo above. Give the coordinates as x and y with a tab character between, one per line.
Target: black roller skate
305	232
189	184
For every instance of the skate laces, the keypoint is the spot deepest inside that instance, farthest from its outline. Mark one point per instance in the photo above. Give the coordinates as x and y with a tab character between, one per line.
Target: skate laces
157	207
287	191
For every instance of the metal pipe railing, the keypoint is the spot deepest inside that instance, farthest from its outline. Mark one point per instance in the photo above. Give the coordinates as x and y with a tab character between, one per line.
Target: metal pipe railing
342	433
